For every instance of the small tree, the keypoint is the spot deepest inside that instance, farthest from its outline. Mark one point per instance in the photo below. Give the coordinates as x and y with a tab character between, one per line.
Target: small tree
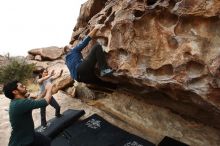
16	69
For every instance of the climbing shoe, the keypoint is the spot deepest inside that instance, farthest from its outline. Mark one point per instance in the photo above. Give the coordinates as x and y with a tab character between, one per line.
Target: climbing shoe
106	72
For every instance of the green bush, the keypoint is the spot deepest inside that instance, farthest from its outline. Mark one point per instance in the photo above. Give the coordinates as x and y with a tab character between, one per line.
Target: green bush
16	69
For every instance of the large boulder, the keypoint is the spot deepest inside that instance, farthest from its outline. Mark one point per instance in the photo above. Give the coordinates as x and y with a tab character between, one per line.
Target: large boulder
166	51
47	53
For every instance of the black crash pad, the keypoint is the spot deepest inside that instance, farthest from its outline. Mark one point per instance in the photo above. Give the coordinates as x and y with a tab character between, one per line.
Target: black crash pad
168	141
96	131
57	125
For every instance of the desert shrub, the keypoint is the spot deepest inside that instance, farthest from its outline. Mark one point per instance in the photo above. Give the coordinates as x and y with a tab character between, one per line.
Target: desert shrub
16	69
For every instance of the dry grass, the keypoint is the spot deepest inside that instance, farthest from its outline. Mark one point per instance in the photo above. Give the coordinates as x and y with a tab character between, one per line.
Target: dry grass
32	86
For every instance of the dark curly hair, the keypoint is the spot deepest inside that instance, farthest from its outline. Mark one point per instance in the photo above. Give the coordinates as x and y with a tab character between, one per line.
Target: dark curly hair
9	88
41	72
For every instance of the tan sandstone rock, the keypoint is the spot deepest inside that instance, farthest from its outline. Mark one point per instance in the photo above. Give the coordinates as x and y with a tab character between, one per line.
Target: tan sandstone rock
48	53
163	50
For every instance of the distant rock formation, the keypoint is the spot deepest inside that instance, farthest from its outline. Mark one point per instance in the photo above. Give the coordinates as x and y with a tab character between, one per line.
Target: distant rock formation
47	53
3	60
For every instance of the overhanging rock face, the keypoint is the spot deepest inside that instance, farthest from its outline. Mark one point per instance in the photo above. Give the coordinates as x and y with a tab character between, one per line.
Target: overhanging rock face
167	51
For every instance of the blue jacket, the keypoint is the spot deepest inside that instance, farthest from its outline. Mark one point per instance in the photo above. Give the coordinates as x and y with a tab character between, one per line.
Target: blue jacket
74	58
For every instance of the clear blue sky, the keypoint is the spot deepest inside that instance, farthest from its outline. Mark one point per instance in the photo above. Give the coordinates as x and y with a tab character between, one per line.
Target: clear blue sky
28	24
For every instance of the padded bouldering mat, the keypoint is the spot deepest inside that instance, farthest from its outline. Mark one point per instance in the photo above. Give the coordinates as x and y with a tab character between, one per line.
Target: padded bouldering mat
168	141
96	131
57	125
